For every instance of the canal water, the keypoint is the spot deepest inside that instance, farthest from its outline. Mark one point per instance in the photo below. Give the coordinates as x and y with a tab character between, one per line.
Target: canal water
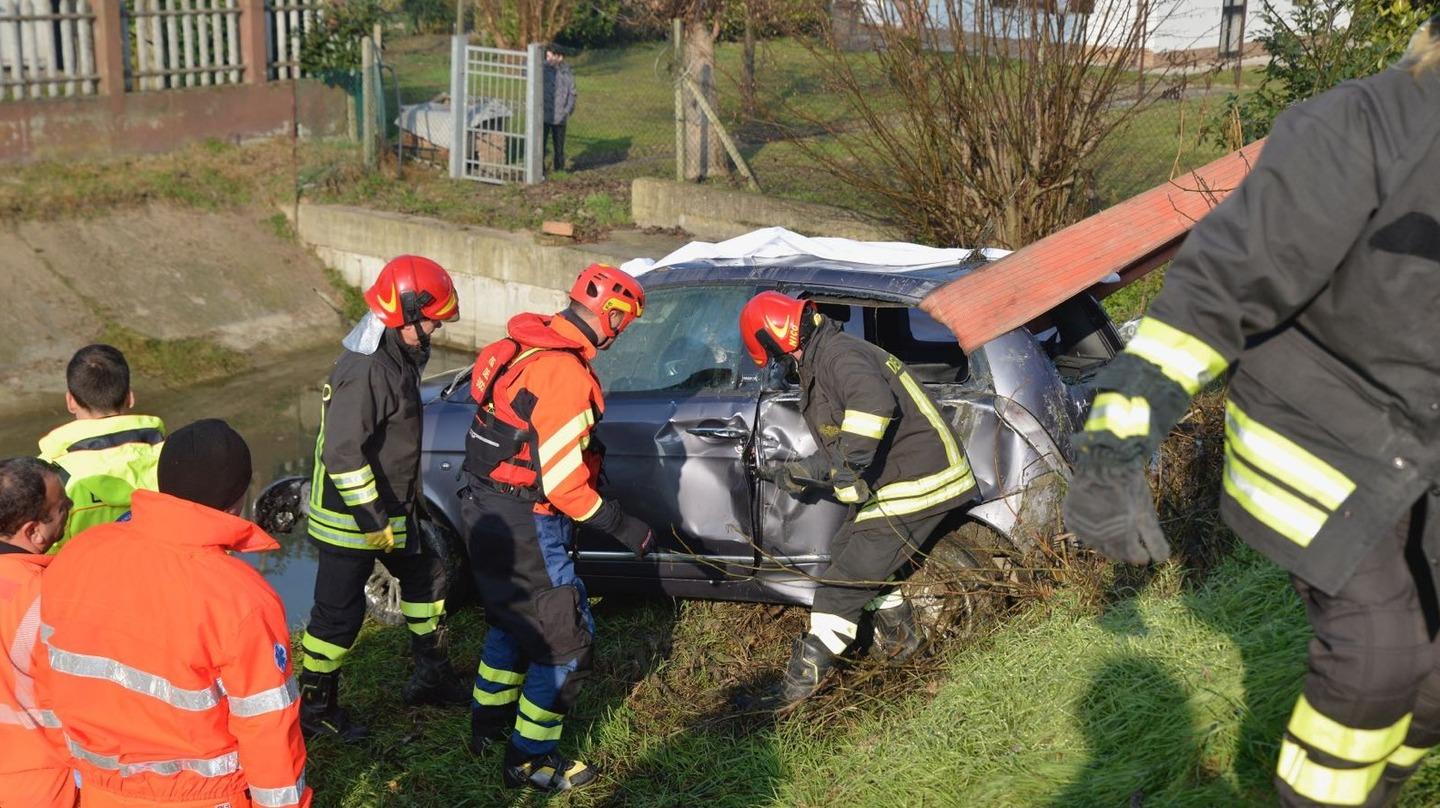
277	408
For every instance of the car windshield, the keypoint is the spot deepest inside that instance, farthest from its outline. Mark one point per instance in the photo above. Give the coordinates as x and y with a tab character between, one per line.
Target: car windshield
687	340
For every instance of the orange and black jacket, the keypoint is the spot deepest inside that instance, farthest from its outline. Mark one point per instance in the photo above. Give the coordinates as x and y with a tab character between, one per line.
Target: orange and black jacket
367	455
550	386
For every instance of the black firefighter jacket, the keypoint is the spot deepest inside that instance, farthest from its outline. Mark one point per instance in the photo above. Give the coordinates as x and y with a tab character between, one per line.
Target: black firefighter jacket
367	455
1320	274
875	422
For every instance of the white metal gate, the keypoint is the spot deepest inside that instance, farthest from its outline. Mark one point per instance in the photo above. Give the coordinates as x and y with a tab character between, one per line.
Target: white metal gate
497	138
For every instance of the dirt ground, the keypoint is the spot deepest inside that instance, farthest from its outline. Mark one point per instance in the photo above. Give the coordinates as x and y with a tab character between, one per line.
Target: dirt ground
189	295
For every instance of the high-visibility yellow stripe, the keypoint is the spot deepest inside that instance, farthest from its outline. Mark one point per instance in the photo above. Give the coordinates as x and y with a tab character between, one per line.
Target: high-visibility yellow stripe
848	494
1407	756
500	677
432	609
900	507
834	631
594	509
318	665
1280	510
864	424
509	695
1125	417
562	437
1322	783
1324	733
350	479
536	713
536	732
1183	359
927	407
315	645
355	497
1284	459
551	478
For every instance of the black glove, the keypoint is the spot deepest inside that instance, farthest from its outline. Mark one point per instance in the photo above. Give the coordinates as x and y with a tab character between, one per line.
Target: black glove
1110	510
624	528
798	476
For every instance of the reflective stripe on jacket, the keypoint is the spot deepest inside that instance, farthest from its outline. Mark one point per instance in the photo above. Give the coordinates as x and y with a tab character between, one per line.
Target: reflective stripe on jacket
104	459
34	766
168	661
1318	275
871	417
367	454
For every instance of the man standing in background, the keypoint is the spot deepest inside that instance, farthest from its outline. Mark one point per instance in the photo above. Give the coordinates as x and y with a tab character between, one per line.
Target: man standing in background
560	98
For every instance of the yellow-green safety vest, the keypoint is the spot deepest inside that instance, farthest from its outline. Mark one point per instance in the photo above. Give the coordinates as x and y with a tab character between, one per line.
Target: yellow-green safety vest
105	460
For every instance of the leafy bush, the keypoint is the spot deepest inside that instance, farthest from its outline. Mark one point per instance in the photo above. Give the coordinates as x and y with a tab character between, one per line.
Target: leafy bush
333	45
1321	44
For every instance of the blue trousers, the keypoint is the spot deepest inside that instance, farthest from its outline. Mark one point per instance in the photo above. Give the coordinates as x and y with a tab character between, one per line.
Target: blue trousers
538	649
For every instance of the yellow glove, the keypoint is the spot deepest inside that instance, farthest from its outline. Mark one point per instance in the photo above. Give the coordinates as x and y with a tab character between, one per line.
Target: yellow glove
381	539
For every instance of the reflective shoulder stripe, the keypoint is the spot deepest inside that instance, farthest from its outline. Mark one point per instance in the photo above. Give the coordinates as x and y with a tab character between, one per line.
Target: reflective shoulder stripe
1276	508
1322	783
1125	417
278	797
565	434
1284	459
1324	733
1183	359
134	680
266	701
221	766
864	424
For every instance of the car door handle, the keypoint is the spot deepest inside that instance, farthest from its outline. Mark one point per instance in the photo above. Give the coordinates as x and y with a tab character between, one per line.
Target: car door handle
719	432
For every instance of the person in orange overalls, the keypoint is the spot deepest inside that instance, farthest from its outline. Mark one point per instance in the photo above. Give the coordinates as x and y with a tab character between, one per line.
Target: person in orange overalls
34	766
167	660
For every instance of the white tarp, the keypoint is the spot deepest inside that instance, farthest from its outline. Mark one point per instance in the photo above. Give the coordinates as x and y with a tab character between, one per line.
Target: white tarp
777	242
431	120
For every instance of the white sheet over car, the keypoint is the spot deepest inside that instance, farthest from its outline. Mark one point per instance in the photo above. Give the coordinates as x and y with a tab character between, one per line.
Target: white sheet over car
777	242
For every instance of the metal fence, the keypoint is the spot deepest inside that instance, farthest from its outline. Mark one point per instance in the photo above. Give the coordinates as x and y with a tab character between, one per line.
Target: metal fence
495	114
46	49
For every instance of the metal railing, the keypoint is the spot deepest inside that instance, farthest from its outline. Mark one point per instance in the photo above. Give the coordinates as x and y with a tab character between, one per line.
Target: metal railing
182	43
47	49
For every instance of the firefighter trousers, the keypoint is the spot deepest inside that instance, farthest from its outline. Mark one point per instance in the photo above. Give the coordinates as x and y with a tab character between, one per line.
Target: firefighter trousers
340	599
864	557
1370	707
537	652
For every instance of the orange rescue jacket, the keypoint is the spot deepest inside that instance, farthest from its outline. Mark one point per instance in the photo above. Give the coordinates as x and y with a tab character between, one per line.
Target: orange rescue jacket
168	661
34	766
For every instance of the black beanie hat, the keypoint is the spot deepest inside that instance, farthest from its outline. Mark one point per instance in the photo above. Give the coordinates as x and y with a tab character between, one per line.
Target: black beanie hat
205	462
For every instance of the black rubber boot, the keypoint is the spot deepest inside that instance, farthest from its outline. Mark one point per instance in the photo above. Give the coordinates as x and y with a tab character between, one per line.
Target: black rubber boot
489	726
811	664
549	773
897	638
320	714
434	680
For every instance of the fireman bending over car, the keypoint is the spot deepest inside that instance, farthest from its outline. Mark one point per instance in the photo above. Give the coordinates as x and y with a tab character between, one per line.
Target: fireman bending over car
1318	275
365	491
886	450
531	466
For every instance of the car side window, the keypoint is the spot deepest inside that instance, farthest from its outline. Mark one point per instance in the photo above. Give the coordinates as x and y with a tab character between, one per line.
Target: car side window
926	346
688	340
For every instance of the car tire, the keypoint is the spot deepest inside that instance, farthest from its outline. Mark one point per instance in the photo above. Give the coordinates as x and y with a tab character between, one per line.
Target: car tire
382	590
960	587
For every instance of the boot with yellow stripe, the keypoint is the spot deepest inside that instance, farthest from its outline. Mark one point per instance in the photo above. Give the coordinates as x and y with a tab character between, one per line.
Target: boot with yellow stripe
549	772
320	712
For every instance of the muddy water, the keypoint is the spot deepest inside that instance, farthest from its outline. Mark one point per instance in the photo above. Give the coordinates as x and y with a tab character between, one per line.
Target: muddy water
276	408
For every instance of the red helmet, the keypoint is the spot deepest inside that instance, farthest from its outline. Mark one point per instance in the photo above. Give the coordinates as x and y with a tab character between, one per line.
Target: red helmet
772	320
602	289
411	289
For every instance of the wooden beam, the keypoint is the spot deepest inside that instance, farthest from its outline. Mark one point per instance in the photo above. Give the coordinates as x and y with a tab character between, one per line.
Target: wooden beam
1130	239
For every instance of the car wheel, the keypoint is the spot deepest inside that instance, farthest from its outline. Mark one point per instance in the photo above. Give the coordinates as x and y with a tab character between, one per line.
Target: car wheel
382	590
959	588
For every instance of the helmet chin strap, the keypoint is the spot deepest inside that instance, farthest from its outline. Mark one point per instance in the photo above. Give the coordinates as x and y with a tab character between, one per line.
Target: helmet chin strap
419	354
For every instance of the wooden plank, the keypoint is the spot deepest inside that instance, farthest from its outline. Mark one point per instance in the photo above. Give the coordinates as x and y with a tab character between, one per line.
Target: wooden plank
1130	238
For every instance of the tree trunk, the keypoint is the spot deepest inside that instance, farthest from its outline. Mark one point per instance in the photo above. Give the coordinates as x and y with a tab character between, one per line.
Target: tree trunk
747	64
704	153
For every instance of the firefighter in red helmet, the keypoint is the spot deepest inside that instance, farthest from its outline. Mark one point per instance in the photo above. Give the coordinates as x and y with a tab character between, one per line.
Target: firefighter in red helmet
365	490
885	450
531	464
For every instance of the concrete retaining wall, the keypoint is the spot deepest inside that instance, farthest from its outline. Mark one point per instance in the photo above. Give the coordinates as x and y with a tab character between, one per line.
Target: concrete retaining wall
498	273
715	214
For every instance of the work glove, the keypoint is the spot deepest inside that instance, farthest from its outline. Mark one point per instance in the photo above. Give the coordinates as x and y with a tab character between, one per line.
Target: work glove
797	476
1110	510
624	528
381	539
